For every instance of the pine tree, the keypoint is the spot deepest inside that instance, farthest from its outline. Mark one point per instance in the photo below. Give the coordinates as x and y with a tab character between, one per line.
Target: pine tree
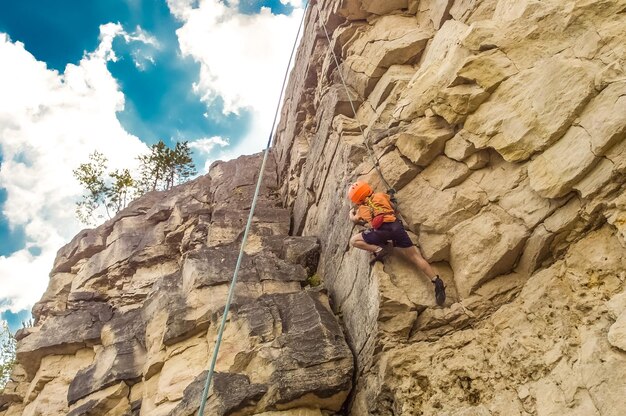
164	168
182	167
153	167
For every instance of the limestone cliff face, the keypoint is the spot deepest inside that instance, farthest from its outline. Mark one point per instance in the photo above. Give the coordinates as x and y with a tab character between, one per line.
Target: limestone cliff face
502	125
129	321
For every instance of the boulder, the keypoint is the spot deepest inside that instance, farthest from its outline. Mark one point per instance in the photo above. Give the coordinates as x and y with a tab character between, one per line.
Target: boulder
455	103
112	401
400	171
121	359
437	69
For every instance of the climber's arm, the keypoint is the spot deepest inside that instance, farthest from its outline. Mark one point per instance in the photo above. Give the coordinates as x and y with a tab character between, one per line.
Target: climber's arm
353	216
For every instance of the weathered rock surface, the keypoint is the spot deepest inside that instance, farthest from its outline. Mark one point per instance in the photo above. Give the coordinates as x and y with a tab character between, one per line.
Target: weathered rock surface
501	124
504	135
130	319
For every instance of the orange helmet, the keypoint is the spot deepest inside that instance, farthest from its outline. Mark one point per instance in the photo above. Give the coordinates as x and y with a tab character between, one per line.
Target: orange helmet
358	191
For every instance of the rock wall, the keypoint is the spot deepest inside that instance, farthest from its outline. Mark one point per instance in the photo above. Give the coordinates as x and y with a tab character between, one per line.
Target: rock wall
129	321
502	125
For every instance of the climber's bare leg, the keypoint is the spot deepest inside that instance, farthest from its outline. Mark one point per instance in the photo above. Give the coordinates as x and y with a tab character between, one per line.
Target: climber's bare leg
358	242
413	255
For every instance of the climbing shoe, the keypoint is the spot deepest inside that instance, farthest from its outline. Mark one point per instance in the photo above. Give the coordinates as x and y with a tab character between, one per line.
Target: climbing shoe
440	290
379	255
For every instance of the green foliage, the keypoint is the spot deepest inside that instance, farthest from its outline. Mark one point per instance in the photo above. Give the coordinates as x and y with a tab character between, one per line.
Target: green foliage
7	354
181	167
121	190
314	280
91	177
164	168
161	169
152	168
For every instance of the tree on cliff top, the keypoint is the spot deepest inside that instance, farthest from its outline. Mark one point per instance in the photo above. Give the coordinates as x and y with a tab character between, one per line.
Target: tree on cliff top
113	193
7	354
164	168
159	170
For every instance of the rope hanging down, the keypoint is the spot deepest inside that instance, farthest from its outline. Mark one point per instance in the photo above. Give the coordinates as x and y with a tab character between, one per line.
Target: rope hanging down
345	86
231	289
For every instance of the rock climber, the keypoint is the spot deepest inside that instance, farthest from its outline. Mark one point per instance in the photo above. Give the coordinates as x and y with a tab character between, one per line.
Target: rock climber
377	210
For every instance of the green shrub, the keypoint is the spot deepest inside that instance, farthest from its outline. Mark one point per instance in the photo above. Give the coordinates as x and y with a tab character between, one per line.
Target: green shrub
314	280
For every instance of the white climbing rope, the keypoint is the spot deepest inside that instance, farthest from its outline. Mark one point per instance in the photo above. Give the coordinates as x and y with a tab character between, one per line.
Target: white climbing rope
345	86
231	290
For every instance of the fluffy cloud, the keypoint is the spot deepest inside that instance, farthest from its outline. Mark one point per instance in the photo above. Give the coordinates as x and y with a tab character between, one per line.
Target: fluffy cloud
242	57
49	123
207	144
205	147
23	278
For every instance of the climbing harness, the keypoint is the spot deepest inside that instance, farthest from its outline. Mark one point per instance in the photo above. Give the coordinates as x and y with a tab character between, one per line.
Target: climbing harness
378	211
231	289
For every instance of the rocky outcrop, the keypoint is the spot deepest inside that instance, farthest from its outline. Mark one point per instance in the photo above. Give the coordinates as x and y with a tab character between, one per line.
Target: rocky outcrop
501	125
130	318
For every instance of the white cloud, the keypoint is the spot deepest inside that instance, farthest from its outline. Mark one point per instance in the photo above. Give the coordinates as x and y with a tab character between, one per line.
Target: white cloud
181	9
207	144
242	57
140	35
22	280
206	147
294	3
49	124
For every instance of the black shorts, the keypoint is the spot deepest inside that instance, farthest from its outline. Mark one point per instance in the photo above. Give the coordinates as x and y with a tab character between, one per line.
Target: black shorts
393	231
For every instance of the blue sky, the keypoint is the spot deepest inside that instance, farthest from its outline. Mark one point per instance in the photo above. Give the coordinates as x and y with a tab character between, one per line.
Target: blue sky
10	239
15	320
160	103
116	76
